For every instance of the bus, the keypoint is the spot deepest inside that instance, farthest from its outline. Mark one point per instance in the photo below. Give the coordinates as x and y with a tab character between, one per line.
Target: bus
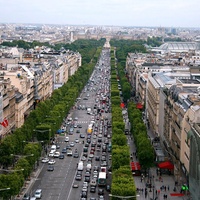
102	179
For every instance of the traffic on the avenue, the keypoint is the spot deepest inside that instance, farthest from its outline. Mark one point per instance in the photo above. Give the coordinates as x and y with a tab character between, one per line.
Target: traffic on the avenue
77	164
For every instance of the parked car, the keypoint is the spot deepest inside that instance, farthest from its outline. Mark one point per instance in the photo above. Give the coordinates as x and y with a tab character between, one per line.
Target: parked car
38	193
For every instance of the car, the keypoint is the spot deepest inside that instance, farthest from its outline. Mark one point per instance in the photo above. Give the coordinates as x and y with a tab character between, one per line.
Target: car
76	155
51	154
85	98
93	189
64	150
26	196
76	119
79	126
108	188
78	131
101	197
66	139
75	125
83	194
33	198
57	146
83	158
84	189
75	185
100	191
38	194
92	198
45	160
50	168
51	162
72	144
61	156
87	144
56	154
91	156
87	179
104	164
78	177
82	135
77	140
103	158
97	158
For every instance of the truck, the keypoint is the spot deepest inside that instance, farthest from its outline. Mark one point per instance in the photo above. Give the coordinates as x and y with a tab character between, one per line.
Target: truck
80	166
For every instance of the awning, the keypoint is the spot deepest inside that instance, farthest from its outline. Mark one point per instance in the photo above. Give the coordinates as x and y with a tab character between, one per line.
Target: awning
166	165
176	194
135	166
139	106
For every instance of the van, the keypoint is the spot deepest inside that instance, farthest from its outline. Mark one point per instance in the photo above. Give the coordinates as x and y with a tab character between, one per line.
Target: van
53	148
80	166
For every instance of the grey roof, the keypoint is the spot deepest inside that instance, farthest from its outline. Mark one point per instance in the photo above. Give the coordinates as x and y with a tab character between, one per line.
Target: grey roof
178	46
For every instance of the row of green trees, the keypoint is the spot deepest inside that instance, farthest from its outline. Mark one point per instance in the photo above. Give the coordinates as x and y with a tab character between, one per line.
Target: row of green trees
122	181
25	144
145	150
144	147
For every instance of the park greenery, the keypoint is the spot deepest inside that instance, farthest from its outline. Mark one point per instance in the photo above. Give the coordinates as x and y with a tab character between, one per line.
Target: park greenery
22	149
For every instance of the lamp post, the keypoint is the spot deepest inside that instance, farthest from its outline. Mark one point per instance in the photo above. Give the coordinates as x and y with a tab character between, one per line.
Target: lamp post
123	197
11	170
4	189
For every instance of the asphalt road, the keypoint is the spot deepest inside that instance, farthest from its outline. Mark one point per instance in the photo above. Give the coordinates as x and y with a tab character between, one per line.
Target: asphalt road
57	185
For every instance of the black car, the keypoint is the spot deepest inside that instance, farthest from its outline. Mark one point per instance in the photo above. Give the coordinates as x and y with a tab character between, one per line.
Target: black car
100	191
61	156
97	158
92	189
83	194
64	150
87	179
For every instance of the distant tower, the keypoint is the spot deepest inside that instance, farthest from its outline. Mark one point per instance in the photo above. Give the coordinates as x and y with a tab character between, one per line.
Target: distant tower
71	36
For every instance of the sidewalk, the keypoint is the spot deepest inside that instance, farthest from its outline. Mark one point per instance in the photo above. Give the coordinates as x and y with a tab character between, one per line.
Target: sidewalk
156	193
29	183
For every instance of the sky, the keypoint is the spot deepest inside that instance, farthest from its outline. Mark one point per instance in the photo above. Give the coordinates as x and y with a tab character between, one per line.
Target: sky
159	13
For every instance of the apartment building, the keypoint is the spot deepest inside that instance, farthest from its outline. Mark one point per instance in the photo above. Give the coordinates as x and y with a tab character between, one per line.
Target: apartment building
172	109
25	81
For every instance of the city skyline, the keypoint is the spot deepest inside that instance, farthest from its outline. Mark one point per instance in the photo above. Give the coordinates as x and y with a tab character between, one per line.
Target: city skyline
173	13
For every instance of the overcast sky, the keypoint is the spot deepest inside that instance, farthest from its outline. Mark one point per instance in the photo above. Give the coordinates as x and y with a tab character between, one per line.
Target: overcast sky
164	13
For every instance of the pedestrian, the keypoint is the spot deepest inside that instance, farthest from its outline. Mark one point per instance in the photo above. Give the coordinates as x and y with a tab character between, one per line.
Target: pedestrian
163	196
142	190
156	192
145	194
166	196
168	187
165	188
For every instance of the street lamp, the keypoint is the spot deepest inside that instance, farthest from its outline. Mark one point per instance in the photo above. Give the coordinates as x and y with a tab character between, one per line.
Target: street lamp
3	189
123	197
11	170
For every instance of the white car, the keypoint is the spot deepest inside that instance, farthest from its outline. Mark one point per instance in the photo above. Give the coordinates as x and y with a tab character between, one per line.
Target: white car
56	154
72	144
66	139
52	162
77	140
51	154
45	160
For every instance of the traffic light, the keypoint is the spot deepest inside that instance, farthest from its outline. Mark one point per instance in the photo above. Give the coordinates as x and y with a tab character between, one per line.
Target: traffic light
184	187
